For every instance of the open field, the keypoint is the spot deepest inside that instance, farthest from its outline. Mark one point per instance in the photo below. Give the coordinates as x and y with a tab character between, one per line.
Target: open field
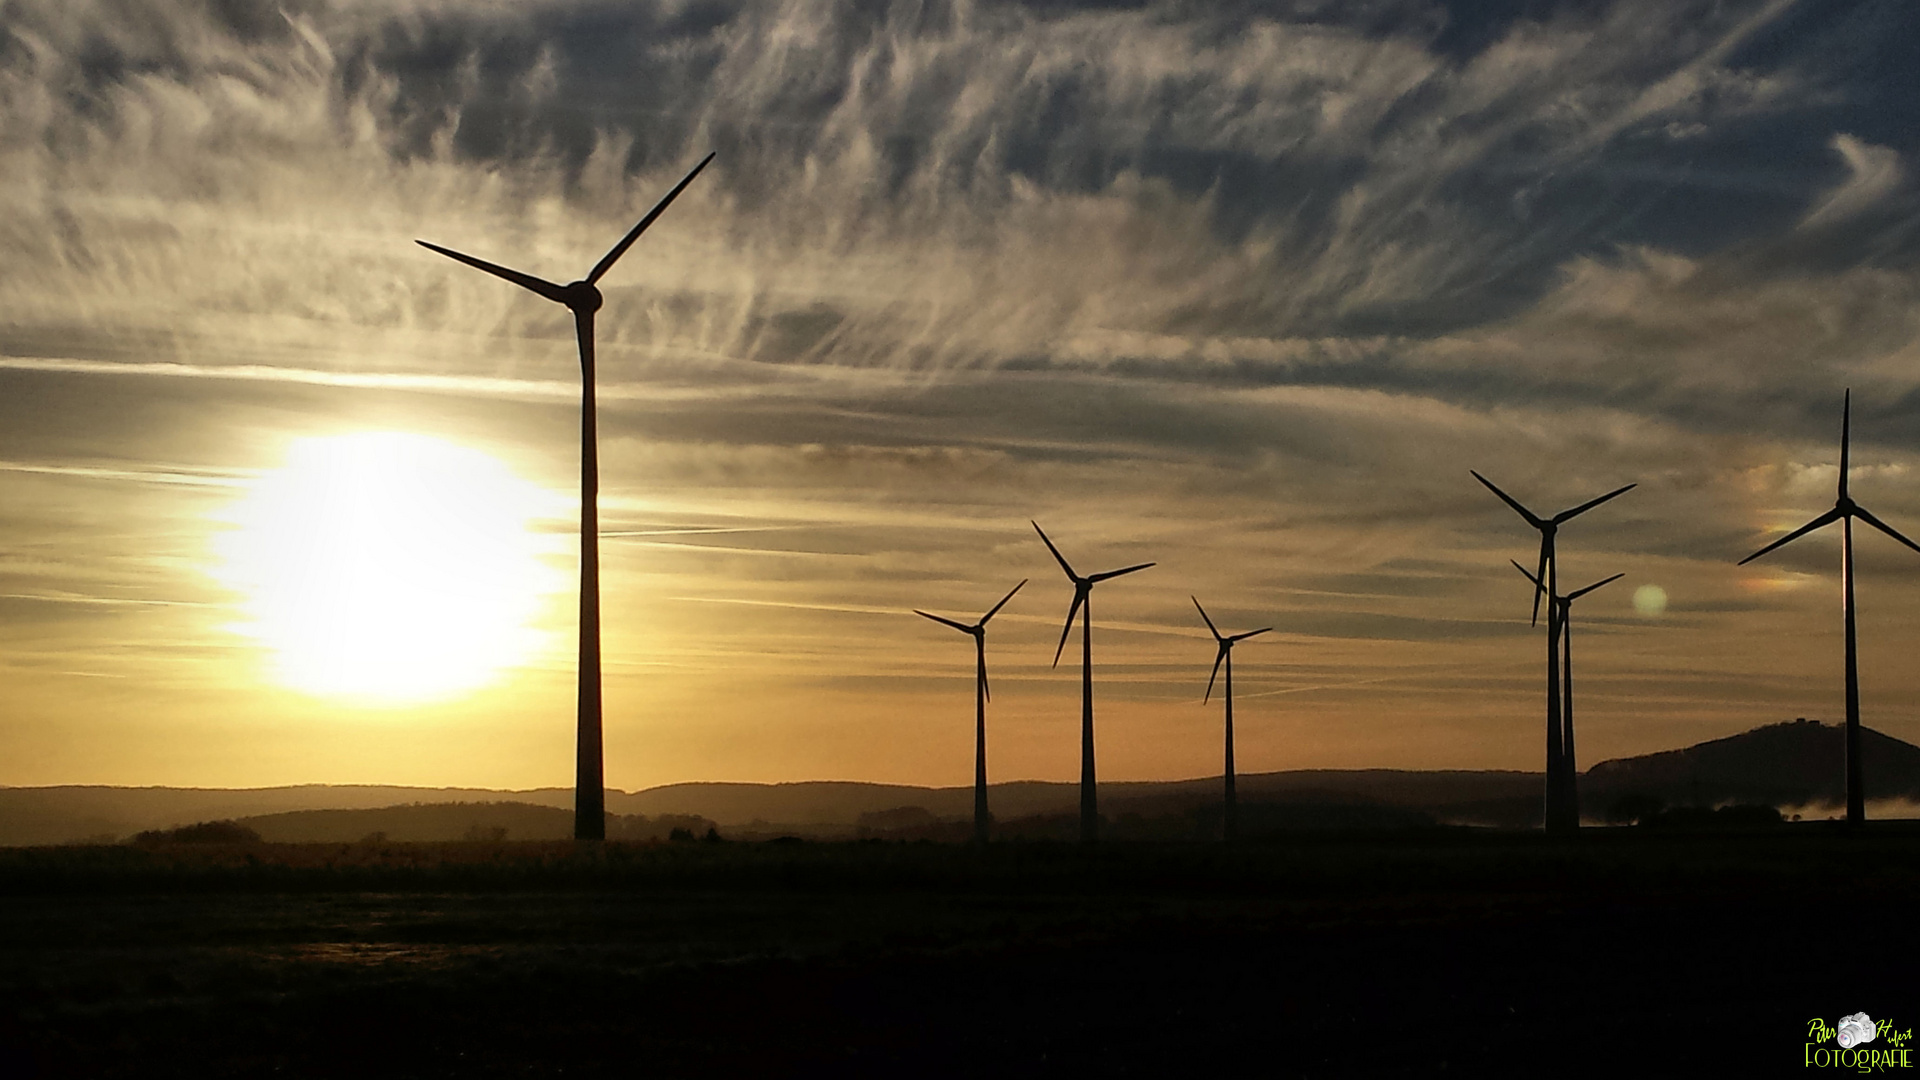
1339	954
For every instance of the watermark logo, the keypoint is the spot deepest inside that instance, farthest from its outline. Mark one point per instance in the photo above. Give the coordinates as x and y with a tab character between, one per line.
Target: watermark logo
1854	1030
1852	1034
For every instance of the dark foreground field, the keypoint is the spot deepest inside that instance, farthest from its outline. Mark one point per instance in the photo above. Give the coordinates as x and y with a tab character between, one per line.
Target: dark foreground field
1624	951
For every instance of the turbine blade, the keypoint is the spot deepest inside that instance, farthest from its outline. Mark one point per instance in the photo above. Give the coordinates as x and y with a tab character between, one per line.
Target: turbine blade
1846	424
1079	597
1578	593
1062	559
1250	633
526	281
1203	615
1532	519
936	618
985	690
1116	573
1540	576
1538	588
1002	603
1590	504
1823	520
606	261
1862	513
1217	657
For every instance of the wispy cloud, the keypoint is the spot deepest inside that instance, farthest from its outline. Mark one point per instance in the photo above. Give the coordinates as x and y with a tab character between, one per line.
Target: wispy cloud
1873	173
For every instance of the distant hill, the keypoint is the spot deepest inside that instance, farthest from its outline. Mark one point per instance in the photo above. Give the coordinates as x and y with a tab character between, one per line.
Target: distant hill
1483	796
420	821
1791	764
72	813
1802	763
455	821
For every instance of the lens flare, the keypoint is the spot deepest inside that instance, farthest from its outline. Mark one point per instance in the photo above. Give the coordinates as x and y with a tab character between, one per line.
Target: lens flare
1650	601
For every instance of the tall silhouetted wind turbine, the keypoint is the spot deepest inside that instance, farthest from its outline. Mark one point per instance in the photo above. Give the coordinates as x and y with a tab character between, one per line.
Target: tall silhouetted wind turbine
1564	604
1083	605
583	299
1559	814
1228	821
1844	511
981	695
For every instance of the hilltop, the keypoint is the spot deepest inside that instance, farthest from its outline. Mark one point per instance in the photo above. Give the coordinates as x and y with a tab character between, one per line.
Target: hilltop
1800	763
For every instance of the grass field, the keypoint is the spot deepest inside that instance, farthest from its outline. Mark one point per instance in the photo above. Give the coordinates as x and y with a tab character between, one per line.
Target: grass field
1430	952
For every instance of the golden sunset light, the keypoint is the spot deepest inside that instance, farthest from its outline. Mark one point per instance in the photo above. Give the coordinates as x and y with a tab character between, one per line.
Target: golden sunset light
384	567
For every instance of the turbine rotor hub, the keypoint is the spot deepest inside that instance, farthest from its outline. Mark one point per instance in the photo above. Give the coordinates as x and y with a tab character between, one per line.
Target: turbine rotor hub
583	296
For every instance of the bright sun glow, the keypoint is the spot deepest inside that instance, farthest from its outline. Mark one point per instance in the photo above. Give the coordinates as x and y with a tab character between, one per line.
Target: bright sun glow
388	567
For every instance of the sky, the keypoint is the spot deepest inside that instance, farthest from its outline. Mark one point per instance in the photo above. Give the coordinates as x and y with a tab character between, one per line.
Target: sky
1245	290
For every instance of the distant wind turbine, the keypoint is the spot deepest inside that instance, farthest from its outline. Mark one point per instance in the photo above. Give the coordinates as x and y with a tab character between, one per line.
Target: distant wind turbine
981	695
1226	644
1844	511
1560	814
583	299
1083	605
1565	607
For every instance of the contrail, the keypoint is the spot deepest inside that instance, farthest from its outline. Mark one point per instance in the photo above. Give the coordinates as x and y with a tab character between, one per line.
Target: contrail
466	385
455	384
855	609
109	600
181	475
1354	682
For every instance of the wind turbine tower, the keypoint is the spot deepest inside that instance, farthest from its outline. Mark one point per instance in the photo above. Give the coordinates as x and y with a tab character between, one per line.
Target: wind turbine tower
1083	606
1844	511
1564	605
1230	813
1561	815
583	299
981	695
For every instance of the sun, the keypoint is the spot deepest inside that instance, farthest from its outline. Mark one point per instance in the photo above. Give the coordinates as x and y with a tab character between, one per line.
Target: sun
388	567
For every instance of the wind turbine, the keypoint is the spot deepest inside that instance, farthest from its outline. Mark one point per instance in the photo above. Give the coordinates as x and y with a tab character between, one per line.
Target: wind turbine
1559	814
1225	654
981	695
1844	511
583	299
1565	607
1083	605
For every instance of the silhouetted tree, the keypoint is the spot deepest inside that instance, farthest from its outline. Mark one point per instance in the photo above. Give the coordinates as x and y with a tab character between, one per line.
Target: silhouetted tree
1633	807
1734	816
204	832
1745	814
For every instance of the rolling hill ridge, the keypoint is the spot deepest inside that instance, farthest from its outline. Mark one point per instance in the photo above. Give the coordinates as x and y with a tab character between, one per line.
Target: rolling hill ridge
1789	764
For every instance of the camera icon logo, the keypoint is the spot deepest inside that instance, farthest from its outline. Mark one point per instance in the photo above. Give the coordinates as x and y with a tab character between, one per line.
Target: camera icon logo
1854	1030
